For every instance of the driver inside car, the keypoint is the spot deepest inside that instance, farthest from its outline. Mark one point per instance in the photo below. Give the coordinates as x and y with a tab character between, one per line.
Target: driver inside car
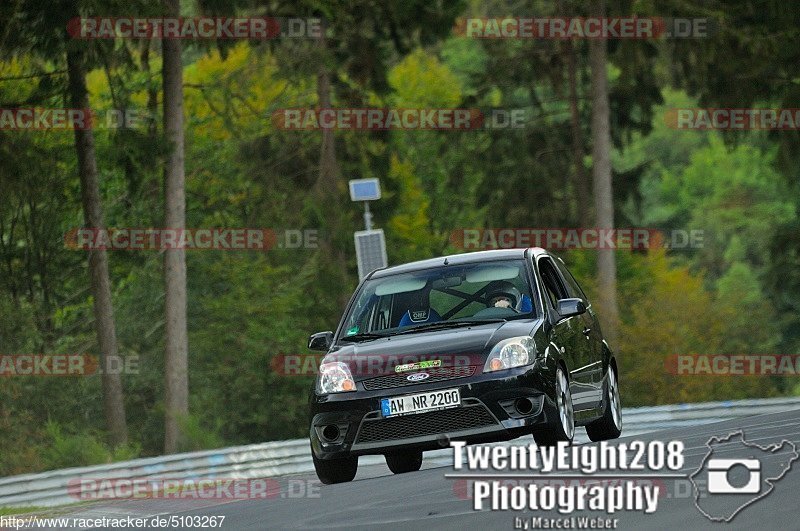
504	295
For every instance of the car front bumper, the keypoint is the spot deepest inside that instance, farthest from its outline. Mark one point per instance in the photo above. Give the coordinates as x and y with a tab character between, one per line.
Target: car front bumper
487	413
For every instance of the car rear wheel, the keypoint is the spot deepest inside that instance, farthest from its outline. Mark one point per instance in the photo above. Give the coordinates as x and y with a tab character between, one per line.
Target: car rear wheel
564	429
609	426
402	462
335	470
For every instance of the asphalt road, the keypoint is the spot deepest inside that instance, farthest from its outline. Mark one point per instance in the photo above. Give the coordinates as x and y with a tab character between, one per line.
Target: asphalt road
376	499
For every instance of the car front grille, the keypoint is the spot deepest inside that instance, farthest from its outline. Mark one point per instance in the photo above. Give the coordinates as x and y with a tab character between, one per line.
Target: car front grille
443	422
435	375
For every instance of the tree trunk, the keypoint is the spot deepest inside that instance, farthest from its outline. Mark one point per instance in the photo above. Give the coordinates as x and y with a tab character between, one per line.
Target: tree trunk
113	400
327	185
601	174
152	190
328	168
581	181
176	342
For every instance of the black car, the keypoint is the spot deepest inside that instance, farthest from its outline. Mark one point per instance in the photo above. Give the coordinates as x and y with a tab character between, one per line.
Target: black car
480	347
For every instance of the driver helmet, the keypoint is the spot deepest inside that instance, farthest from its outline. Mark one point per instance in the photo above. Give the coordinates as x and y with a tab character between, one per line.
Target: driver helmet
504	295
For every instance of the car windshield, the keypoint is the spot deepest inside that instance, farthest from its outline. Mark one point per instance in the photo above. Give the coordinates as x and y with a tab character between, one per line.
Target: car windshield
440	297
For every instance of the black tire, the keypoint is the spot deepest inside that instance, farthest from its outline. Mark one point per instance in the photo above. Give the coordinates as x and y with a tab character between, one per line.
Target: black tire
564	427
335	470
609	426
402	462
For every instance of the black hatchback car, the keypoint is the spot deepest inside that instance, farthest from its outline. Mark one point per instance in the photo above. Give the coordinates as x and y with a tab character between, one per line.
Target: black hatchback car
480	347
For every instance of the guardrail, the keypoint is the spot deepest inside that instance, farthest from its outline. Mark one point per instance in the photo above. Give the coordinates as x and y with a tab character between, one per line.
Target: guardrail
281	458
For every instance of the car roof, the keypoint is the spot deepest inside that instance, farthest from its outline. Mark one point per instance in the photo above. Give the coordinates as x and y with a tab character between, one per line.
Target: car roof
459	259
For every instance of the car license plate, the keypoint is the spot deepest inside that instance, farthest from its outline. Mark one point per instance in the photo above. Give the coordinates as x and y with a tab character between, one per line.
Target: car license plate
420	402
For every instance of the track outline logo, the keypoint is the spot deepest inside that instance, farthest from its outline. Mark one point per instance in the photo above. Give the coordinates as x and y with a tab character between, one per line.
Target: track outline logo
769	480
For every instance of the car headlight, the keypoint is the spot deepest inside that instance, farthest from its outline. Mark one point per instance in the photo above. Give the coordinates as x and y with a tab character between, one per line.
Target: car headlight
510	353
335	377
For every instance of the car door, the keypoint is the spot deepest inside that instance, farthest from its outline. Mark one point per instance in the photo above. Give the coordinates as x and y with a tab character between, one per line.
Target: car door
591	339
569	330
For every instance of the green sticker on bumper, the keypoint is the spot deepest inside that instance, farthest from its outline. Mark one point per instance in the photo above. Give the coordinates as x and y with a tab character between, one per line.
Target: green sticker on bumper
430	364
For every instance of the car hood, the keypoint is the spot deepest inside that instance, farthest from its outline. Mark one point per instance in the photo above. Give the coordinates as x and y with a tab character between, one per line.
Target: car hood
445	348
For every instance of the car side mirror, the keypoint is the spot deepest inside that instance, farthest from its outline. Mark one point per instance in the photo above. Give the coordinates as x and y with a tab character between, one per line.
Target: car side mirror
320	341
570	307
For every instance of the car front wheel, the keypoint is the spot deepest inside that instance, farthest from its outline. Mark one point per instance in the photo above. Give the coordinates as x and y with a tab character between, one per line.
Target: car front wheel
335	470
564	429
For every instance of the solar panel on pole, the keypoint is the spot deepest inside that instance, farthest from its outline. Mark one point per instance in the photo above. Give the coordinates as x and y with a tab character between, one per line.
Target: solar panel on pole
365	189
370	251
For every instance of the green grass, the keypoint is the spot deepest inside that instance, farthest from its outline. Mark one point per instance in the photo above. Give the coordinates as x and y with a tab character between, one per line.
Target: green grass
7	511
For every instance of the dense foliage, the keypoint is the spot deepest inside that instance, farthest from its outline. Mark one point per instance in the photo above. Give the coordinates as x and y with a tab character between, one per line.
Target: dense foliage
736	294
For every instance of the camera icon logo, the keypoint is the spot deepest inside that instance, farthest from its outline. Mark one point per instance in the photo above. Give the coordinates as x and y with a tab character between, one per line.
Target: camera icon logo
719	476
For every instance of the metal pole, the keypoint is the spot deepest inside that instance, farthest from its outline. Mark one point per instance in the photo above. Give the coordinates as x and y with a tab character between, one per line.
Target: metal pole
367	216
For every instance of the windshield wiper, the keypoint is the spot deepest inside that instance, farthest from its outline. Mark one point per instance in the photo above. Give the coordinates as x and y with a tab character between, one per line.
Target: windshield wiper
448	324
365	336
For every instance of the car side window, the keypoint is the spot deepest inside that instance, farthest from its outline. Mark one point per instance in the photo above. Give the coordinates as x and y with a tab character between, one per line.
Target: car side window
572	285
552	283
